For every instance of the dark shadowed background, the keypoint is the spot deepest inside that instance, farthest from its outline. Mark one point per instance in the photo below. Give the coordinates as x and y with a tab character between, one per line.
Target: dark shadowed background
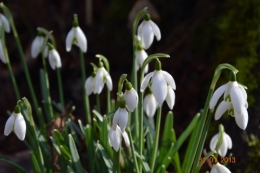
198	35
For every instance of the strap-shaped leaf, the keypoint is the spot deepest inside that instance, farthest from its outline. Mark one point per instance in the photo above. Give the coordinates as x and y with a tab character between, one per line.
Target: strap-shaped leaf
75	155
18	168
106	158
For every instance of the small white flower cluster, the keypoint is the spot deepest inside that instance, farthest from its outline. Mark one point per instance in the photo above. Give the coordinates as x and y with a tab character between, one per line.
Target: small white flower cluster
162	87
120	119
95	83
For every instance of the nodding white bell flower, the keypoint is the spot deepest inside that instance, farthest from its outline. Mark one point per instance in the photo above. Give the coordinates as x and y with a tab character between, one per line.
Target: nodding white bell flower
120	117
90	84
140	55
77	37
114	138
16	123
235	102
226	144
218	168
4	22
147	30
159	79
150	104
54	58
102	77
2	54
130	97
170	97
37	45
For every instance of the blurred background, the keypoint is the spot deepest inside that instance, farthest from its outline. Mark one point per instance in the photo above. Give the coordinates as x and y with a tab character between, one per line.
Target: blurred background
198	35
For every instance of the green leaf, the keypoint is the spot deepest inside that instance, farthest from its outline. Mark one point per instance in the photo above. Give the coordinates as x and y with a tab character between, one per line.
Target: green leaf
75	155
82	128
65	153
35	163
55	145
18	168
106	158
70	169
98	115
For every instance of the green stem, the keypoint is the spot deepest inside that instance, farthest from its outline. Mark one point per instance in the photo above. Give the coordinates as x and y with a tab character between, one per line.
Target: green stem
86	99
108	101
60	88
141	129
98	103
156	141
116	164
133	150
16	91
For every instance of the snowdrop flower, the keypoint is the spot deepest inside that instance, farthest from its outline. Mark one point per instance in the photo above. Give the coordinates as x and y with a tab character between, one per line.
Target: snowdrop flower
147	30
4	22
76	36
114	138
170	97
159	79
2	54
140	55
150	104
130	97
102	77
90	84
54	58
37	45
226	144
16	122
235	102
120	117
218	168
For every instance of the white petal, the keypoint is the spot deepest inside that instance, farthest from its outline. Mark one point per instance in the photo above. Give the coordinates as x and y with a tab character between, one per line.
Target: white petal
120	118
169	79
69	39
170	98
216	96
222	108
99	85
36	46
131	99
108	79
9	125
147	35
114	139
90	85
150	105
20	127
139	30
126	139
5	23
156	30
214	169
237	99
242	119
159	87
54	59
228	140
213	142
81	39
2	55
145	81
221	168
223	148
141	55
243	91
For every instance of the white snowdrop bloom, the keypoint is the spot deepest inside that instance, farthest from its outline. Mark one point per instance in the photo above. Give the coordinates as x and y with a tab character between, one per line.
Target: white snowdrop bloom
90	84
226	144
150	105
147	30
54	58
159	79
218	168
102	77
141	55
114	138
120	118
4	22
170	97
37	45
16	123
2	54
77	37
130	97
235	102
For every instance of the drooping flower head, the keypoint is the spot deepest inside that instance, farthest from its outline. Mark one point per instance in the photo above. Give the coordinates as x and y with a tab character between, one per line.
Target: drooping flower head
150	104
37	45
102	77
120	117
159	84
16	123
147	30
76	36
140	55
235	102
130	97
2	54
221	142
90	84
114	138
5	23
54	57
218	168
